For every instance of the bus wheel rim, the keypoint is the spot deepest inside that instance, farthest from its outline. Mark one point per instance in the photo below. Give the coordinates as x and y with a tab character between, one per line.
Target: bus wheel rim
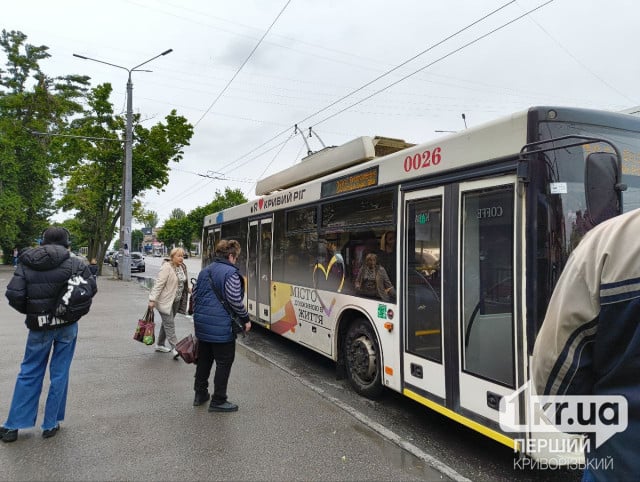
364	357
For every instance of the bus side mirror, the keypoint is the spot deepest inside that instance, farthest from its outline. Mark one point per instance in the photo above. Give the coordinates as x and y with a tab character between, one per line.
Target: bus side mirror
601	186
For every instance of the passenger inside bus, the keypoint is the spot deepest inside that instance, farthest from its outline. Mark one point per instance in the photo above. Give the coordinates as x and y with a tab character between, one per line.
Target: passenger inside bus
373	281
387	254
329	271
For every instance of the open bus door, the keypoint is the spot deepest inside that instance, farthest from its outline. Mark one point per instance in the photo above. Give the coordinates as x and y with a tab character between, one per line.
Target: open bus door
259	270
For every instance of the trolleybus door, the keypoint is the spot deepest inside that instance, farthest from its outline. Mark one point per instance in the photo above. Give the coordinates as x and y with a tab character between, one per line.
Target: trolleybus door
209	254
423	364
259	270
488	329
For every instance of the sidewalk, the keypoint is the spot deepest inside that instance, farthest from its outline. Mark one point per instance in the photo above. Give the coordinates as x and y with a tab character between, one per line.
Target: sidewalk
130	414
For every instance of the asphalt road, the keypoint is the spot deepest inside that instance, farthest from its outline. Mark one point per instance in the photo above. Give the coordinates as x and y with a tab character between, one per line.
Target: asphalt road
401	419
130	414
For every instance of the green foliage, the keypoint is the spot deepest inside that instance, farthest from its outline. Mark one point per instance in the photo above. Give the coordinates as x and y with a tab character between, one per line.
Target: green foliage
148	218
136	240
174	232
30	102
90	170
184	229
177	213
94	185
77	237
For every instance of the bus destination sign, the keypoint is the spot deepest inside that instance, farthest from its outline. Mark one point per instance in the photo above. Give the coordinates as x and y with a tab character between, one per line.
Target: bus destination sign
352	182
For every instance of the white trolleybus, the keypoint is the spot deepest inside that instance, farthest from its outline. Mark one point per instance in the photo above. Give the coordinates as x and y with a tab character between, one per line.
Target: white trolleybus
473	231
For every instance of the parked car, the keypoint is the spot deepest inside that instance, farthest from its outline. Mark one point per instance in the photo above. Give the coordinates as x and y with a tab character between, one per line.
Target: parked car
137	261
107	256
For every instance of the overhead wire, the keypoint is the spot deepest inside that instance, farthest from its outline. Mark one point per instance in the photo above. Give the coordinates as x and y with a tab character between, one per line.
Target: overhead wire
243	64
188	191
582	64
218	176
477	39
402	64
273	159
449	37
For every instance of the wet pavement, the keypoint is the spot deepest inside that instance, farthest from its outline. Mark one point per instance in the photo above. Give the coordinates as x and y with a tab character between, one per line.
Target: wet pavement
130	414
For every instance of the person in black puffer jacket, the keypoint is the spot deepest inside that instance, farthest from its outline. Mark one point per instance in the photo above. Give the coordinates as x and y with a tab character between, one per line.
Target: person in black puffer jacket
34	290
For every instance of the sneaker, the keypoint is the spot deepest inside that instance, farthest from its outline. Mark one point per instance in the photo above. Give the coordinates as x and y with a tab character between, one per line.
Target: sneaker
175	353
201	398
223	407
51	432
8	435
162	348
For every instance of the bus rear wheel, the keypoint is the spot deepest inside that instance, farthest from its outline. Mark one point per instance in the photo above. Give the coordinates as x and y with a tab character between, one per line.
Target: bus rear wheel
362	360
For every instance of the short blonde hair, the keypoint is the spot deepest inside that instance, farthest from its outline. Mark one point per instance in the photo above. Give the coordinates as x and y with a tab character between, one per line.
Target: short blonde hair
174	252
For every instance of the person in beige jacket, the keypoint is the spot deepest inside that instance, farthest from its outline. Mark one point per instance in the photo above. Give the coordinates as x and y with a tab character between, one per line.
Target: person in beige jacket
169	296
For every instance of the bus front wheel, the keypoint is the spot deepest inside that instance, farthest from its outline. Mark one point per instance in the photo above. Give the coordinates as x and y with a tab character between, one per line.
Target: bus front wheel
362	360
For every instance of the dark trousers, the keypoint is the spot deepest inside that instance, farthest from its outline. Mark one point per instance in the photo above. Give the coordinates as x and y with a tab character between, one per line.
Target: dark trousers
223	354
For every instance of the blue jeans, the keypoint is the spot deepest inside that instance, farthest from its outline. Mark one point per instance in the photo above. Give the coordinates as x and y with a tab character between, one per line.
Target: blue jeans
26	395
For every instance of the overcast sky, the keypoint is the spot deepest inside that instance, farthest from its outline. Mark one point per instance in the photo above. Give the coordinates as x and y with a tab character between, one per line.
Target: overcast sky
569	52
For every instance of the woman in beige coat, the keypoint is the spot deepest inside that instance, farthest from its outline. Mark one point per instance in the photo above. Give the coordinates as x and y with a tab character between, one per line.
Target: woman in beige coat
169	296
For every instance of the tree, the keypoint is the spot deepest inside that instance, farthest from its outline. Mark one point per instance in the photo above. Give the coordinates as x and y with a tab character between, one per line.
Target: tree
148	218
177	213
77	237
173	232
185	229
94	186
136	240
231	197
31	102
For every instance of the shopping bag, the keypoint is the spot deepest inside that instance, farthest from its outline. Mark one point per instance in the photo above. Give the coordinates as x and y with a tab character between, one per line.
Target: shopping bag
145	331
187	348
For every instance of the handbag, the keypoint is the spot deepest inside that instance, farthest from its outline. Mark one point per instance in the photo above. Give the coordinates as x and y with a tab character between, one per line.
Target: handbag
187	349
146	329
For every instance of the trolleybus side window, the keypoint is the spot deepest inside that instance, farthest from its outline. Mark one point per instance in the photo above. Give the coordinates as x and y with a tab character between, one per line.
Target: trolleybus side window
252	262
238	231
351	229
210	244
487	283
295	245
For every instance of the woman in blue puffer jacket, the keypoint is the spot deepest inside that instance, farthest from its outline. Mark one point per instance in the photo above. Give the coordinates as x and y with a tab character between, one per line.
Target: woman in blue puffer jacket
219	298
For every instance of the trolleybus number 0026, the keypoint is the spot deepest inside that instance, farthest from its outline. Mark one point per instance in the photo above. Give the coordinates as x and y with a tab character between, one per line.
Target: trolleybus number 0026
423	160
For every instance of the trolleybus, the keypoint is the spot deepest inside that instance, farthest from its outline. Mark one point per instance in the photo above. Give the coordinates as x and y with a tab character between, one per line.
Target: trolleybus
483	222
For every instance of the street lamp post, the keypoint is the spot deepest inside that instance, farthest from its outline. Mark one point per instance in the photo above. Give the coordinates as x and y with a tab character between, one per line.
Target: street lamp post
127	171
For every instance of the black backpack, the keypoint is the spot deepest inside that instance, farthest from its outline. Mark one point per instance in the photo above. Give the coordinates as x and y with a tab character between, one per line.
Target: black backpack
75	299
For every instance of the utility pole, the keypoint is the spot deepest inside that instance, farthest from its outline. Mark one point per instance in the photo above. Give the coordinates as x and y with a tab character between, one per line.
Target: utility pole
124	262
